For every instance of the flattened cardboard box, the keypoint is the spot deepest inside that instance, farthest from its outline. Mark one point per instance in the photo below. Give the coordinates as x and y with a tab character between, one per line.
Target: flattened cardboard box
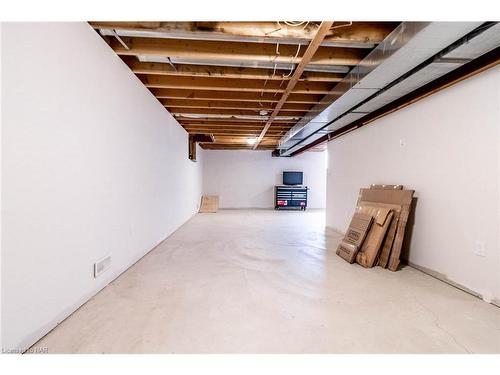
355	235
385	251
358	228
347	251
397	197
209	203
368	253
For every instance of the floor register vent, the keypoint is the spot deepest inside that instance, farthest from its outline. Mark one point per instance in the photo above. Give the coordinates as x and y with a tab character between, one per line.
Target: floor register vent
101	266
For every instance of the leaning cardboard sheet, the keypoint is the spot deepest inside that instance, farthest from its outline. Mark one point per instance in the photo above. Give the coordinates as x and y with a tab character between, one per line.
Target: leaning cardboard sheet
209	203
375	235
356	233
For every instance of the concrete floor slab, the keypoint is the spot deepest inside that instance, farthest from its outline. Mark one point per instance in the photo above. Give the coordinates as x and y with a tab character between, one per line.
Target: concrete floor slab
259	281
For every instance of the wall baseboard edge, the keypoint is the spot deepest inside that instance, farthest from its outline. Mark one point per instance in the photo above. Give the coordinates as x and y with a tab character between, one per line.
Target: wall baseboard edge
32	339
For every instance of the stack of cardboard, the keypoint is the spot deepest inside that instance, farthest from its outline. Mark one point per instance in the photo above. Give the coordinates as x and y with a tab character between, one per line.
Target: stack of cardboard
388	208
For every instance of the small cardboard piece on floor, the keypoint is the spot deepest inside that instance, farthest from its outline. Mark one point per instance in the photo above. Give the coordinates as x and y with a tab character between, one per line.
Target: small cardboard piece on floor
209	203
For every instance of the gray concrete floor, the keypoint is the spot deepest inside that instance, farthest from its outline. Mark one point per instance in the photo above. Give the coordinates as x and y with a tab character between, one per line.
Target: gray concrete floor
258	281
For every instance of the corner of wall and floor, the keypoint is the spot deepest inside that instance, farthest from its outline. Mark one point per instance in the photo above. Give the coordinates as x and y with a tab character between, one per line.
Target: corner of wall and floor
246	179
446	148
92	165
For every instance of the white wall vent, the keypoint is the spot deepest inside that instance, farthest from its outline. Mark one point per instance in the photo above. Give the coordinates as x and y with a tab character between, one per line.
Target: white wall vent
102	265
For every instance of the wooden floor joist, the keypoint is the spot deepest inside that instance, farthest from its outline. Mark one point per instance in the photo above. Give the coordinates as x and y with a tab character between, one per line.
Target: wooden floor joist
241	80
232	123
269	106
234	96
232	112
232	84
362	33
233	51
226	72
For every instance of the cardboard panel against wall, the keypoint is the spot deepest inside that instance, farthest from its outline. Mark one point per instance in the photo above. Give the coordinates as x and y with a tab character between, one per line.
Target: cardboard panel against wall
209	203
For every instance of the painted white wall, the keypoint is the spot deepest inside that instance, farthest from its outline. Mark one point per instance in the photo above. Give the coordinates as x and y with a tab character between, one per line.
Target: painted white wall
246	179
450	157
1	207
92	165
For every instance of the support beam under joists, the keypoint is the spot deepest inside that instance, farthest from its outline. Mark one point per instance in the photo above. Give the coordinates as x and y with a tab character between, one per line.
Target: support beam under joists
197	138
306	58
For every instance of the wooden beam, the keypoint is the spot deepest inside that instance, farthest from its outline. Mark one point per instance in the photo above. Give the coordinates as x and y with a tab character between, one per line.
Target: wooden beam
232	84
233	96
240	138
231	120
189	103
226	72
226	121
234	51
312	48
231	112
234	146
233	132
234	127
236	134
361	32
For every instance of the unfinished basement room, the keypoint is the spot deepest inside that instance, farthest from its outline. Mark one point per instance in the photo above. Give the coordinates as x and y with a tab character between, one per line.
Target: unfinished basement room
250	187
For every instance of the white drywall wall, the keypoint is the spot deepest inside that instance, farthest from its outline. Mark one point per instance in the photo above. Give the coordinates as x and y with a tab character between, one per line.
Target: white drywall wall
92	165
246	179
1	207
446	147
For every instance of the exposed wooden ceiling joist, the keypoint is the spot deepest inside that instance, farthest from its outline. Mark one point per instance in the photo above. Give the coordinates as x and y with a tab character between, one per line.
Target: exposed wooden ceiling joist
234	51
281	119
254	133
232	84
218	77
226	72
189	103
234	146
230	122
231	112
233	96
361	34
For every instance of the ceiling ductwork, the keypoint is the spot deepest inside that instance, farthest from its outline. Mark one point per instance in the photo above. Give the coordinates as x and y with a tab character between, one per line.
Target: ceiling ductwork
413	55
